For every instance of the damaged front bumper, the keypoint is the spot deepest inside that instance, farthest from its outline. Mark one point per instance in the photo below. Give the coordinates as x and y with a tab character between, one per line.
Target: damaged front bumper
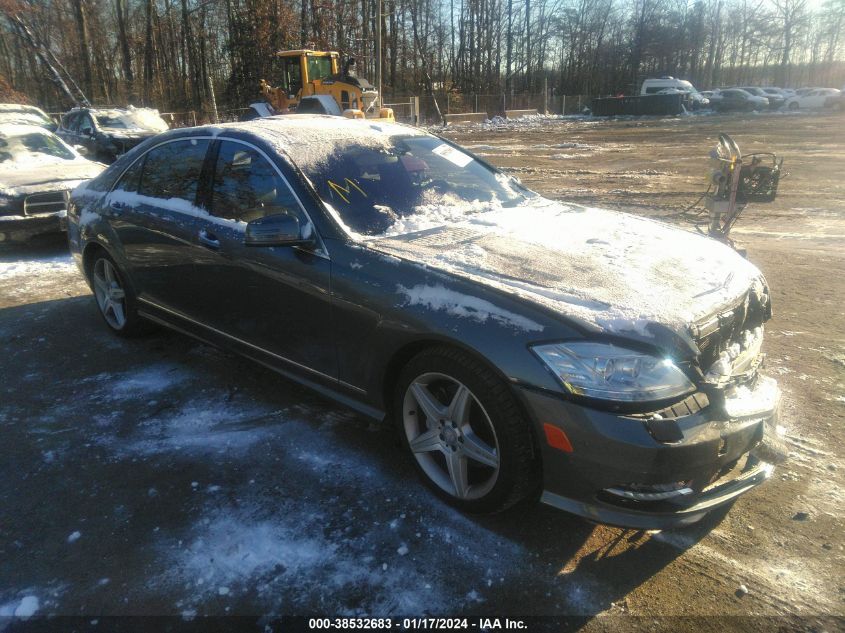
20	228
660	472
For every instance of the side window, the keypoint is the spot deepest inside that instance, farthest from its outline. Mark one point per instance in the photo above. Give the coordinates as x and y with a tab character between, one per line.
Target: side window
86	125
173	170
129	180
71	121
247	187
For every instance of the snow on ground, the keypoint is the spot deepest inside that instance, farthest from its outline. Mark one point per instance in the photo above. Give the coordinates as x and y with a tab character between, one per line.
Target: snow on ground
24	608
290	550
300	523
29	270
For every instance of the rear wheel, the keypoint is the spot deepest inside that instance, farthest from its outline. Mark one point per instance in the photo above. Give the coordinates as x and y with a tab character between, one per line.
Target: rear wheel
468	438
115	297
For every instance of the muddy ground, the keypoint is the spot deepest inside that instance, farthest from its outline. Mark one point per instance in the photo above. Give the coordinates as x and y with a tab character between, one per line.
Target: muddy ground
161	476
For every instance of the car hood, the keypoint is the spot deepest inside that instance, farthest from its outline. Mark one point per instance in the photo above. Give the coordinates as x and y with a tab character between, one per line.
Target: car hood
611	271
133	135
34	177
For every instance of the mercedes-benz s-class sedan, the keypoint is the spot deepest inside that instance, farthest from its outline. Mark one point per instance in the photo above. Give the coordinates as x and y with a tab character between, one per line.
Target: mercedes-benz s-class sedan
605	363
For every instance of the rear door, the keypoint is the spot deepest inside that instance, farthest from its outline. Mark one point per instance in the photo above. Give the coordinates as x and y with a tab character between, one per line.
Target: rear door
277	299
153	210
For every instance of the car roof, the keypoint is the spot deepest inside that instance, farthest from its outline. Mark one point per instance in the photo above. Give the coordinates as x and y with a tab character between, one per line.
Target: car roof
17	129
19	107
288	130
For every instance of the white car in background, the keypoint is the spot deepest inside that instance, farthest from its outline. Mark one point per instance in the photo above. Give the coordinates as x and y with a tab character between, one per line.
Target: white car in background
670	85
37	173
25	115
813	100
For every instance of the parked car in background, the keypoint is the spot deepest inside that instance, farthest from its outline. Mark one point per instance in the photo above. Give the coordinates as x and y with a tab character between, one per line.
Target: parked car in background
738	100
776	100
107	133
662	84
26	115
836	102
695	103
812	100
37	172
519	344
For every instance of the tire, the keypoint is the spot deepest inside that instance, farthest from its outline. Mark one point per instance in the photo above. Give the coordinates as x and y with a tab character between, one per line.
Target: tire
793	106
114	296
473	446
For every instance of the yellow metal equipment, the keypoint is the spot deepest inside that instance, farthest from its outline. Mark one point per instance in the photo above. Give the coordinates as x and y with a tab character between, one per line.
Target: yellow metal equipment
308	73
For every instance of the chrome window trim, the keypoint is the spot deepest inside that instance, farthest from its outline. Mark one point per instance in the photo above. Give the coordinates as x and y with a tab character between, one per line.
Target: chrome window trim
251	345
319	251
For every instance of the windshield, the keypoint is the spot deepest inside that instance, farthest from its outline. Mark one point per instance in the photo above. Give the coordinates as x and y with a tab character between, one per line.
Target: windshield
404	183
33	147
319	67
138	119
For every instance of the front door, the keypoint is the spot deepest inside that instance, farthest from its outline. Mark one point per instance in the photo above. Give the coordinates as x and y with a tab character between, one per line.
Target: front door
274	298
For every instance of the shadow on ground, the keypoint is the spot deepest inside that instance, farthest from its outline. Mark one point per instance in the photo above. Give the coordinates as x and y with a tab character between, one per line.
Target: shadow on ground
162	476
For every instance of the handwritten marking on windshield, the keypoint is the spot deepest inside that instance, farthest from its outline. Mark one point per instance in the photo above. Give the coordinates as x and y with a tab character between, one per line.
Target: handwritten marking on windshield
340	189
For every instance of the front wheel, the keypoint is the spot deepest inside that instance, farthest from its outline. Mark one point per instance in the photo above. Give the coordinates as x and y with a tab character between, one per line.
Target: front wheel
468	438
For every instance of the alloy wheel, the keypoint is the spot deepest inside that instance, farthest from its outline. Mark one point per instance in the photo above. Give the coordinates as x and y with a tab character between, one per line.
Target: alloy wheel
451	436
109	292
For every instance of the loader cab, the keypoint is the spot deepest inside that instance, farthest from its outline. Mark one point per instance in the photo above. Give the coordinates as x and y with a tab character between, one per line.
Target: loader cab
301	67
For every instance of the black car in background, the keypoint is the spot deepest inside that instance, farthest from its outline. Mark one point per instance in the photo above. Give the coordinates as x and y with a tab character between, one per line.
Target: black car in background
776	99
37	173
606	363
737	100
107	133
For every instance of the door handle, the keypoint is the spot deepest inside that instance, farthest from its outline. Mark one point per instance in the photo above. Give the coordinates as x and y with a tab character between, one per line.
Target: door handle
208	239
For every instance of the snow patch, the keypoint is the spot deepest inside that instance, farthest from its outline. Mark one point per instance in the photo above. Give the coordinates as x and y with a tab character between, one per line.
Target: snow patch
23	609
440	298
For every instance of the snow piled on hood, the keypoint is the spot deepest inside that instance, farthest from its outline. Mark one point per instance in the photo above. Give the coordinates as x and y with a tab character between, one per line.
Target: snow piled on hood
615	270
133	119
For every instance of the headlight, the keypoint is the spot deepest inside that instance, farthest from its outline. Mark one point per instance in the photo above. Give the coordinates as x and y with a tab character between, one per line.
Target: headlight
607	372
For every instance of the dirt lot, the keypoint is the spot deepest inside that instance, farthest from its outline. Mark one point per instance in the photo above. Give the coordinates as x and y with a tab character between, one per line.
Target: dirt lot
162	476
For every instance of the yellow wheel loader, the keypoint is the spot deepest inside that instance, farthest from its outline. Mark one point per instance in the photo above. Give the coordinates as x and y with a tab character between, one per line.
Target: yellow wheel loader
312	82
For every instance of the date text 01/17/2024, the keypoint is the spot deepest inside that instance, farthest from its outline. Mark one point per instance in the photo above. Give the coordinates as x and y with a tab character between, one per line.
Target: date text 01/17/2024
480	624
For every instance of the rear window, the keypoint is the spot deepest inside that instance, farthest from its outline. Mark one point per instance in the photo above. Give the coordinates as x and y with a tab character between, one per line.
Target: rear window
173	170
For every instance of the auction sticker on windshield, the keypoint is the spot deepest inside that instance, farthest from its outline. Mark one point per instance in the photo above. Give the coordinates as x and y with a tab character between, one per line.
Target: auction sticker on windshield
452	155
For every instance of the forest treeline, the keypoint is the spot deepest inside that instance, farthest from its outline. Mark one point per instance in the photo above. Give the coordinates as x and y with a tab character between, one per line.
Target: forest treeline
179	55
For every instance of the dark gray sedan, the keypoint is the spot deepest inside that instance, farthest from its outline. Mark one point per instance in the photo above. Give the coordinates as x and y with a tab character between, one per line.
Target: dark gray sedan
524	348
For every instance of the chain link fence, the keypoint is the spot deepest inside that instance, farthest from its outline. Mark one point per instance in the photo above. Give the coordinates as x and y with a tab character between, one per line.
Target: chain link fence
421	110
495	104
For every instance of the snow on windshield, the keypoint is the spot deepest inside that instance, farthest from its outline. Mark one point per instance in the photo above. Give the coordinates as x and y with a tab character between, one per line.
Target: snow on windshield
132	119
387	185
28	145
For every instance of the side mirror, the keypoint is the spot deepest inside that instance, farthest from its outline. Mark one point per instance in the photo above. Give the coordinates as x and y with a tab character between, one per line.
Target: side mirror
276	230
81	150
87	131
